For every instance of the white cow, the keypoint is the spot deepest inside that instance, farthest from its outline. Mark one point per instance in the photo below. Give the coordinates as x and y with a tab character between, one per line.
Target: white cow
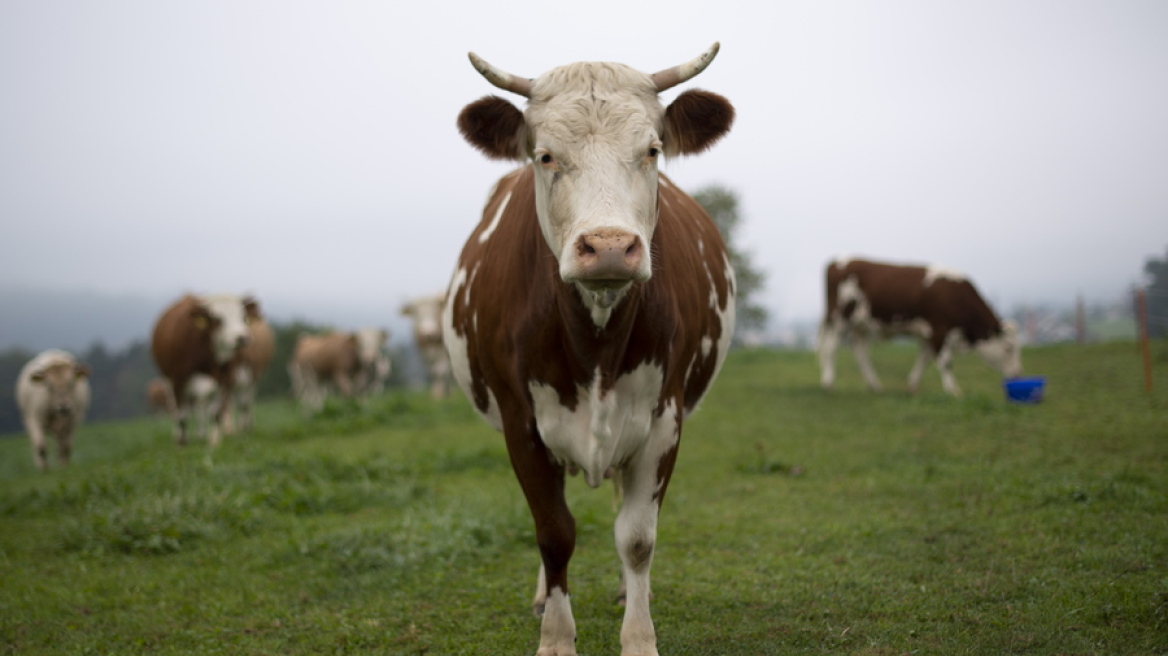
427	315
52	393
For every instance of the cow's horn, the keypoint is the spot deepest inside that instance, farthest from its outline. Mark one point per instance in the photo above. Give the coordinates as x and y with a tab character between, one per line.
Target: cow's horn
501	78
672	77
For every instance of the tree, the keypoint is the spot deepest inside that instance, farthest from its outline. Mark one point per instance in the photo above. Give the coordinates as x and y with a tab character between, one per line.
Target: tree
1157	295
722	205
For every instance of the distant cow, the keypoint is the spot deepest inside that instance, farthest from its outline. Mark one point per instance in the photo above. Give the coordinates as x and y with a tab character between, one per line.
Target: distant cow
160	396
52	393
255	357
202	335
870	300
350	361
592	306
427	318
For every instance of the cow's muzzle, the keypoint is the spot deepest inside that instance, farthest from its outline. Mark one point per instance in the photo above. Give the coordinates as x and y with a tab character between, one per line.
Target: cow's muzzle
608	259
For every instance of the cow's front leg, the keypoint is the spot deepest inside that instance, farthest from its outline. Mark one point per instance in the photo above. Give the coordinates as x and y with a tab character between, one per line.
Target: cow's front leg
36	435
643	480
542	481
945	366
826	345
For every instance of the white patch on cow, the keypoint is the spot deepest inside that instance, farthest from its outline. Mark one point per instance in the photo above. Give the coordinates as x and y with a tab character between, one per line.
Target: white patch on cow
490	229
557	634
707	344
606	427
933	273
701	247
228	336
456	349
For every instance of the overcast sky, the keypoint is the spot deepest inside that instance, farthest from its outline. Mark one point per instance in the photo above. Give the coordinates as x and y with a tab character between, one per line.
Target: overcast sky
306	151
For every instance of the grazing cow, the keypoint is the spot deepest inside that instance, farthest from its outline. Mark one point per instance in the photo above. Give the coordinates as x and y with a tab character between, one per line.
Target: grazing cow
202	335
52	394
871	300
592	307
350	361
427	316
255	357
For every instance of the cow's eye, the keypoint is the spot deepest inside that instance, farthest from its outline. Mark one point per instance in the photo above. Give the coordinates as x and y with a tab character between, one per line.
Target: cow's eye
546	158
654	151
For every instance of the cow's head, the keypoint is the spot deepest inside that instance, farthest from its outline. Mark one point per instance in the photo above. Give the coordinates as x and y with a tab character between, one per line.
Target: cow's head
224	318
595	133
60	380
427	315
1003	351
370	343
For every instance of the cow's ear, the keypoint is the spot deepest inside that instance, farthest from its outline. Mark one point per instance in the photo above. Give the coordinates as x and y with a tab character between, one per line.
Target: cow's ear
694	121
200	317
407	309
495	127
252	308
81	371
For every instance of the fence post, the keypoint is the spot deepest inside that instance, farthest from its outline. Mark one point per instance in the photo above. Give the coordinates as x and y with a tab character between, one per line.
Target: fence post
1142	322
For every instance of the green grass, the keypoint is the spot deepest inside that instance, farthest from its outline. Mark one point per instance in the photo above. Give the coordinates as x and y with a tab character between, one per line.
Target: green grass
798	521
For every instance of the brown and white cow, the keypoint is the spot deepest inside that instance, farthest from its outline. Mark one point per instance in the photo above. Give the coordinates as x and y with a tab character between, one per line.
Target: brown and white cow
202	335
254	359
592	307
348	360
52	394
872	300
426	313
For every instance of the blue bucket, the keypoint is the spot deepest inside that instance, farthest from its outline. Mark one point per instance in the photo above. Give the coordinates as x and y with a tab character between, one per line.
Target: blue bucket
1029	389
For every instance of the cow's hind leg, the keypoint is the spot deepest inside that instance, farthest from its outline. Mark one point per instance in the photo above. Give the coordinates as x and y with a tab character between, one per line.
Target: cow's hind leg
864	360
826	345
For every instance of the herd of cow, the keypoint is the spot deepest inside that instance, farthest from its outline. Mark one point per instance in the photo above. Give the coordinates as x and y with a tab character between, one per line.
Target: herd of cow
211	352
588	314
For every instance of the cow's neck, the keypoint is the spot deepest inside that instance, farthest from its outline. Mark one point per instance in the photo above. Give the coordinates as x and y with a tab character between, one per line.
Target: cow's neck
598	347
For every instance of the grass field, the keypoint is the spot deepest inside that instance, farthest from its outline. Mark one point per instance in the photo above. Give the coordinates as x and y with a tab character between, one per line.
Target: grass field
798	521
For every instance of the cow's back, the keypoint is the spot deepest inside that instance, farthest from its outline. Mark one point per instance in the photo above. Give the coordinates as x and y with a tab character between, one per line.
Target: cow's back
328	354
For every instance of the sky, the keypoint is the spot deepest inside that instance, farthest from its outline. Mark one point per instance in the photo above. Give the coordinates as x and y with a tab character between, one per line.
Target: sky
306	152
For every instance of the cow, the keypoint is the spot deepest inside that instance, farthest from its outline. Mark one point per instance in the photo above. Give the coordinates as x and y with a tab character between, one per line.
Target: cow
592	306
255	357
869	300
349	360
202	335
426	313
52	394
160	397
